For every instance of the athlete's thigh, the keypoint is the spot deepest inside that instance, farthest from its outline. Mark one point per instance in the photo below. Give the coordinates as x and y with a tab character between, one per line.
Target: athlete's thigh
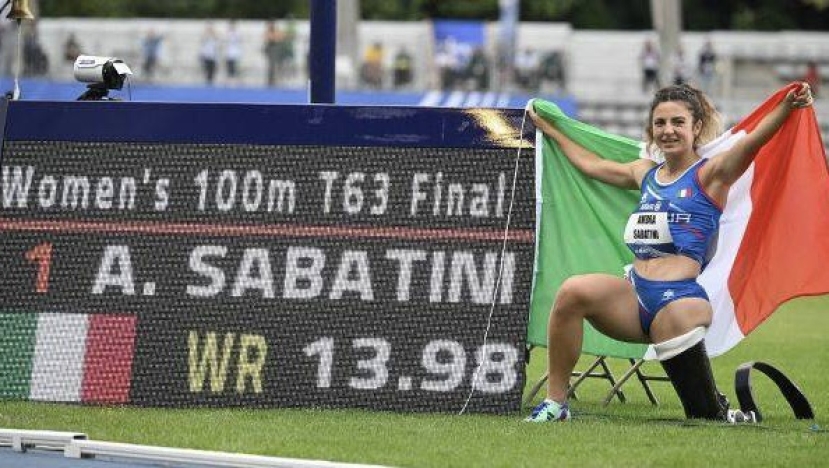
611	306
680	317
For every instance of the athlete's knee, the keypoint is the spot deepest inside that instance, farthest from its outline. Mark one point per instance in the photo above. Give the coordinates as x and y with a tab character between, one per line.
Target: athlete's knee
573	295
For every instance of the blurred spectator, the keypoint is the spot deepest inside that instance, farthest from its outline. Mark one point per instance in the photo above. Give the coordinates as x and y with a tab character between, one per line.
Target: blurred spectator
233	51
371	71
453	59
402	65
151	49
812	77
278	47
208	53
707	66
526	69
479	69
36	62
446	60
504	66
462	52
71	49
270	47
8	36
649	63
288	63
679	66
552	69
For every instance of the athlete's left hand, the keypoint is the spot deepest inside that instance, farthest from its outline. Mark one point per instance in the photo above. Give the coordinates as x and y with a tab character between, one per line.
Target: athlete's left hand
801	97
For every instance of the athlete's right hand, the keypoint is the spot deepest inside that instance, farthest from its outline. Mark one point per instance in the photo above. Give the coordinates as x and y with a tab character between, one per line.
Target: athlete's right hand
537	120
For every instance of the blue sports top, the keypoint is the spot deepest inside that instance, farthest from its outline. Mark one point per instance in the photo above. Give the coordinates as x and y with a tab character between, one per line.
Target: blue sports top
677	218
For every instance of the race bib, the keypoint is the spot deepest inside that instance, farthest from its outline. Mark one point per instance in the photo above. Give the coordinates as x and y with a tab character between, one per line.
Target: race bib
648	228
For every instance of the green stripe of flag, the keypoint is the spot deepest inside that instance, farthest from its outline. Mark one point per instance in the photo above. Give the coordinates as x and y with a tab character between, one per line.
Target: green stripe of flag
581	225
17	343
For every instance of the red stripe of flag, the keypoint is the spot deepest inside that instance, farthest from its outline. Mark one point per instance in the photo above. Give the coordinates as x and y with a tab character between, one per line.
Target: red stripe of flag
110	345
785	250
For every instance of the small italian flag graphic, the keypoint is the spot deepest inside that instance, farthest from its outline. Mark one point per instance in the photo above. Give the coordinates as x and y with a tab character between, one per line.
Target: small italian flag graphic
684	193
63	357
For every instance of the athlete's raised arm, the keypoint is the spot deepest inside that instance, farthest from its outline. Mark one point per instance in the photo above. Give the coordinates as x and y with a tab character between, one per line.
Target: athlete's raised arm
726	167
623	175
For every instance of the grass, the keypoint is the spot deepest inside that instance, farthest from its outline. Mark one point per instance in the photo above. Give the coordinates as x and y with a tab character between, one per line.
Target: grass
633	433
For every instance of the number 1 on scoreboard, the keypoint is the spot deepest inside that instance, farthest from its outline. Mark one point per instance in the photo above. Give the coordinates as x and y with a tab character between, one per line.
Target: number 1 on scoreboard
41	255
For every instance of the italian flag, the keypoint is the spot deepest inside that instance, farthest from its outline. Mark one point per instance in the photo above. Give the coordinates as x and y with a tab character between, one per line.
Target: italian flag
64	357
773	243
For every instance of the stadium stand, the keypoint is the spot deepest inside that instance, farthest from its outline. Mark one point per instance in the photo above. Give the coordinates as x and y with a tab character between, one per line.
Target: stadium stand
601	67
751	65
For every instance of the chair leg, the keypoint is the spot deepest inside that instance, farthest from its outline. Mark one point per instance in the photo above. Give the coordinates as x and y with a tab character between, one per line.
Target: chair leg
616	386
581	376
644	380
634	369
616	389
571	392
534	390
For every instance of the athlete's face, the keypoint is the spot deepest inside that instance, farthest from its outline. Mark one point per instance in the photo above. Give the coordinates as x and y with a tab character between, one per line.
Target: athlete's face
674	129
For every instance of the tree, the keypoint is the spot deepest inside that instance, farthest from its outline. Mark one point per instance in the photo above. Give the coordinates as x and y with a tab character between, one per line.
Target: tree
700	15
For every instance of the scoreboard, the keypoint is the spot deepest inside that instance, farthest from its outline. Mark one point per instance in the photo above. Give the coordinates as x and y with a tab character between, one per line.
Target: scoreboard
266	256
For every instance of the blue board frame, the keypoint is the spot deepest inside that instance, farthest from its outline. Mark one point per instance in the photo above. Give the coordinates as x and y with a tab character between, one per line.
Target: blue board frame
264	124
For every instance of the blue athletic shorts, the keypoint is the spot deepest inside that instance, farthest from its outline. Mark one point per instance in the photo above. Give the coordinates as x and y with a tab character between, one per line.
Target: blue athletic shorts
654	295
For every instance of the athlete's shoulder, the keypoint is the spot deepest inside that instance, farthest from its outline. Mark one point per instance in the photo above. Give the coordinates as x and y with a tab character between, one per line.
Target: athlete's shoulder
643	168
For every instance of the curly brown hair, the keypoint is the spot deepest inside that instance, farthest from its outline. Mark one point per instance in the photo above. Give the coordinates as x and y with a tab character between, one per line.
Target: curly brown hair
697	103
